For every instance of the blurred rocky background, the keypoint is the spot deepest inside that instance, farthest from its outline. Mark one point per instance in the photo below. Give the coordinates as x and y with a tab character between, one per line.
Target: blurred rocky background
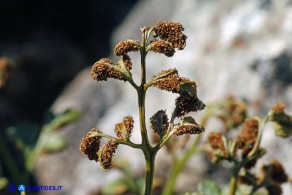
239	48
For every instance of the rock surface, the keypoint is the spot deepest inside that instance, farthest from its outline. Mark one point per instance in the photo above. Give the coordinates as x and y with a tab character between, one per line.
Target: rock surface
240	48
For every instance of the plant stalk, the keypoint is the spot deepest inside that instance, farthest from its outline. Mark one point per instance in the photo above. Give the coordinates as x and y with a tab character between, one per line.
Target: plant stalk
150	162
233	180
148	151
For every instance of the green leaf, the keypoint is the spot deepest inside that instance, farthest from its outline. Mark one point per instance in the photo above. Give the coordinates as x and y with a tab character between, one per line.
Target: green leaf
3	182
208	187
189	87
281	120
188	120
68	116
282	130
55	143
159	122
123	69
121	127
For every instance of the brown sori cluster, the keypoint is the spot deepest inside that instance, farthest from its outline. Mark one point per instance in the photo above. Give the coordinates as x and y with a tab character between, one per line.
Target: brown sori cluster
106	153
90	145
186	103
274	189
280	116
279	107
159	122
161	46
128	124
127	61
216	142
4	70
275	172
189	129
171	32
123	47
276	175
248	135
170	83
237	113
100	71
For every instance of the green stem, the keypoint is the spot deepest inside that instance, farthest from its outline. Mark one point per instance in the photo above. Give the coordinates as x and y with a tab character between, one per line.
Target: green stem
232	185
145	141
142	93
119	141
233	180
150	162
257	186
148	150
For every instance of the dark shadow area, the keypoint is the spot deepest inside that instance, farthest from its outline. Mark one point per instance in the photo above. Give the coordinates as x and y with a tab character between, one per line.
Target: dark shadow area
43	45
48	42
